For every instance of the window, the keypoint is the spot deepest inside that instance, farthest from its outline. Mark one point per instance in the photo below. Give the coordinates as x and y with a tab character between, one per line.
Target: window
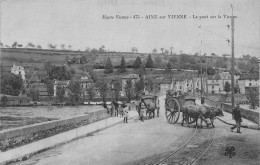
212	81
250	84
180	87
212	87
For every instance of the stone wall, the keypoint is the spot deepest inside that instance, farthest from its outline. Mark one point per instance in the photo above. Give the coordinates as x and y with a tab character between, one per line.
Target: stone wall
14	137
245	113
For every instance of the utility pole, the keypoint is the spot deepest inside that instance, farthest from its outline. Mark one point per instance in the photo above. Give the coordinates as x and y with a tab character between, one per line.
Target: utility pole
201	89
232	61
206	76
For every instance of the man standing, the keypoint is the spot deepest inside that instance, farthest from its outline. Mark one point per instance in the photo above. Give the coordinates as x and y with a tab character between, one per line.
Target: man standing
238	119
125	114
202	100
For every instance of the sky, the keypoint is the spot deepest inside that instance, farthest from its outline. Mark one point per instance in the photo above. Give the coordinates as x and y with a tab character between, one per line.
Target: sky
79	23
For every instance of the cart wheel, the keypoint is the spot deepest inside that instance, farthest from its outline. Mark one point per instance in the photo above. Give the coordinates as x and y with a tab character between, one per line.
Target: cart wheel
172	110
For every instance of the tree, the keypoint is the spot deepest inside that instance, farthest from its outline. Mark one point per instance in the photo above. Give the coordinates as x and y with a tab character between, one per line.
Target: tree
20	45
122	66
155	51
11	84
213	54
103	89
134	50
149	85
129	89
69	47
227	87
50	91
87	49
211	71
149	62
167	52
34	94
171	49
168	67
14	45
4	101
108	67
83	60
253	97
138	88
93	76
220	63
162	49
102	48
117	88
75	92
60	72
91	94
39	47
173	60
62	46
30	45
138	62
142	70
60	92
158	61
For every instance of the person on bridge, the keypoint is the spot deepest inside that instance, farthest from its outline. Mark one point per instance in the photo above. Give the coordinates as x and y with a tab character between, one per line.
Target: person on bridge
125	114
238	119
202	100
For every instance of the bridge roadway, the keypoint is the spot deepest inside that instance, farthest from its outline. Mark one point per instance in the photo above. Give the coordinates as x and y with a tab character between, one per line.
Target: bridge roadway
134	142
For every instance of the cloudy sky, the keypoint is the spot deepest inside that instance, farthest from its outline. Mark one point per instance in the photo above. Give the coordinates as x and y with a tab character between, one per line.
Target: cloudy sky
79	23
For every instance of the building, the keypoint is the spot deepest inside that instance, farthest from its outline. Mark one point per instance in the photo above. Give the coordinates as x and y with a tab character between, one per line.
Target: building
133	77
214	84
18	70
248	81
64	84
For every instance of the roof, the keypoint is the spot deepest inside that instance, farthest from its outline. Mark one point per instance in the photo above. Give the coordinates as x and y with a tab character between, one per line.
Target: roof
131	76
65	82
250	76
166	81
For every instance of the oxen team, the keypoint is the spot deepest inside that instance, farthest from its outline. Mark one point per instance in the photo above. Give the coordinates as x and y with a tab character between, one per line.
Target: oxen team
200	111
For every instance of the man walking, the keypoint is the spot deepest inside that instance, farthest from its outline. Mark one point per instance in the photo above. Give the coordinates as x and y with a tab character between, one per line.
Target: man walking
238	119
158	107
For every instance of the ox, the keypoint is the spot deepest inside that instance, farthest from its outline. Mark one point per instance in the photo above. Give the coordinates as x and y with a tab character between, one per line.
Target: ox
200	111
210	113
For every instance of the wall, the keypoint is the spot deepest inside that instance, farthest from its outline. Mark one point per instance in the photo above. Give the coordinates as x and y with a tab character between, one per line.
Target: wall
245	113
18	136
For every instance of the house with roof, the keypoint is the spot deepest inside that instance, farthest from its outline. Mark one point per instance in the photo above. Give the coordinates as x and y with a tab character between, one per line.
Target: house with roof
213	83
248	81
18	70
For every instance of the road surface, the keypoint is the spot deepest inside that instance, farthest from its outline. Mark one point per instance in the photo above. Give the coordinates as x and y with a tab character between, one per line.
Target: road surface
138	142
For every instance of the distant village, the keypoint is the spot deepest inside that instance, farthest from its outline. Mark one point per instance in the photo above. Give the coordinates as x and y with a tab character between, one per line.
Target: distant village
188	81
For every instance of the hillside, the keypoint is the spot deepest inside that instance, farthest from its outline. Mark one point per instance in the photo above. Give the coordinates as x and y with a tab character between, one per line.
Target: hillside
35	58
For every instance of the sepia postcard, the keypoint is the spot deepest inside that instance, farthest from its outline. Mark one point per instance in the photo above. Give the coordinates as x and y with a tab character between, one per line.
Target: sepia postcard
129	82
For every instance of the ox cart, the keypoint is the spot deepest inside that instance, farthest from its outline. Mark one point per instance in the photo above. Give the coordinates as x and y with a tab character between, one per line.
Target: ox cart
149	103
174	104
